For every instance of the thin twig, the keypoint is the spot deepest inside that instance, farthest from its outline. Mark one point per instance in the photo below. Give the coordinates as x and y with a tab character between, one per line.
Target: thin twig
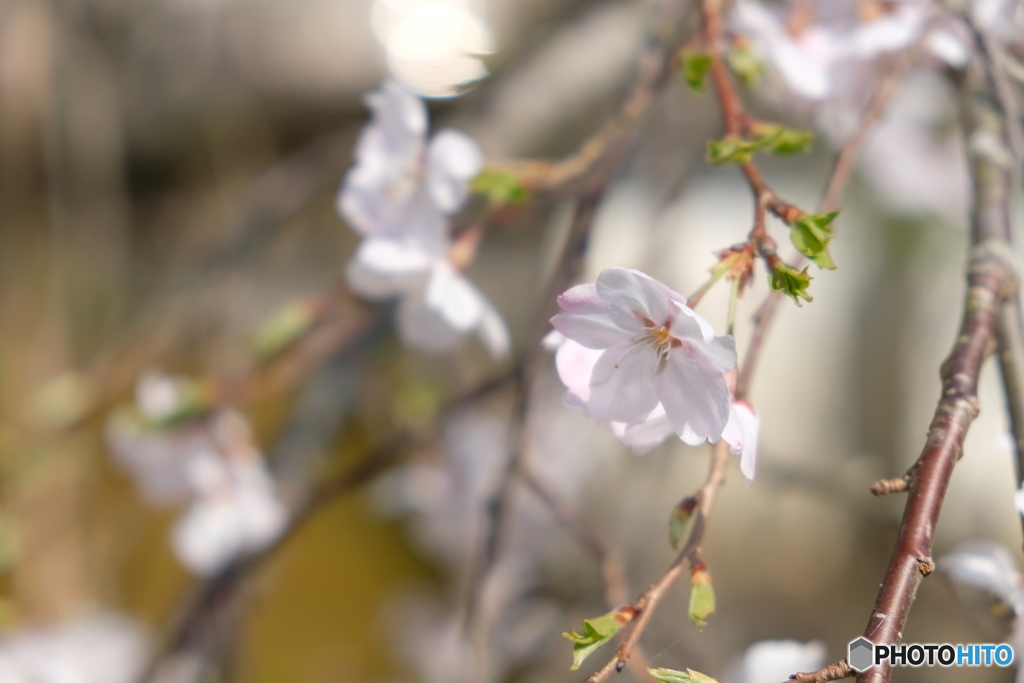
601	157
832	672
612	569
839	178
647	602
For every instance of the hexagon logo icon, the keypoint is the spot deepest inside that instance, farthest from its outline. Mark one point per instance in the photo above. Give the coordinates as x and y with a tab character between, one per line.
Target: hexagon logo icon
861	654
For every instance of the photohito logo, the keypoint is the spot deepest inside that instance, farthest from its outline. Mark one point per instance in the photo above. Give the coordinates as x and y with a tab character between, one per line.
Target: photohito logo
862	654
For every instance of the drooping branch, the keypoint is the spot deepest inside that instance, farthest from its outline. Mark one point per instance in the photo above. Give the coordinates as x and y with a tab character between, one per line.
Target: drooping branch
992	281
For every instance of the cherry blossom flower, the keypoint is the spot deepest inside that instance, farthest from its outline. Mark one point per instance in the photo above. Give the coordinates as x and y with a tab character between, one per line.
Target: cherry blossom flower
98	647
624	368
210	461
398	197
575	364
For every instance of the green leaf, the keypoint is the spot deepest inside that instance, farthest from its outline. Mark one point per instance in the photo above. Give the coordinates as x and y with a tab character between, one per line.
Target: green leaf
596	632
777	139
679	521
693	66
702	597
502	188
730	150
747	68
811	236
793	282
688	676
284	328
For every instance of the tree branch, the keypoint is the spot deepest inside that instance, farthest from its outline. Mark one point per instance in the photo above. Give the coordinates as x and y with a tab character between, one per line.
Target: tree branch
646	603
992	280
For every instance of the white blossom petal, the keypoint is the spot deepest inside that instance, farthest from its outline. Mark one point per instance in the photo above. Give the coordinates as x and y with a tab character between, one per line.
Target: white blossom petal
493	332
741	433
622	387
635	292
989	567
454	159
693	397
575	364
646	436
454	298
383	268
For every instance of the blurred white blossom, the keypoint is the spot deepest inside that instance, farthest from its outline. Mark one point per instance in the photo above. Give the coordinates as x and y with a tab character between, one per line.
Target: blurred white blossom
211	461
655	352
433	46
771	661
398	196
96	648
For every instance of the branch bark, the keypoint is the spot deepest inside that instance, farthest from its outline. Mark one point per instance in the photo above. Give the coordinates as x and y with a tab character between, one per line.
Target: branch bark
992	281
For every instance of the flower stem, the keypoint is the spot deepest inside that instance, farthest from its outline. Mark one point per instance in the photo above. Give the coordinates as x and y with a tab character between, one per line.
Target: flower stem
734	297
716	274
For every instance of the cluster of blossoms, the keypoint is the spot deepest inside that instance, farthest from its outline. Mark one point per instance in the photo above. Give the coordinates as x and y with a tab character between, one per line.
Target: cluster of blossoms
645	365
822	61
399	196
209	460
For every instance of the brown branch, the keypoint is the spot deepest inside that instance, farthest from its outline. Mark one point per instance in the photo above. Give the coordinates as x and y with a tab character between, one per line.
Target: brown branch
992	280
832	672
884	487
839	178
646	603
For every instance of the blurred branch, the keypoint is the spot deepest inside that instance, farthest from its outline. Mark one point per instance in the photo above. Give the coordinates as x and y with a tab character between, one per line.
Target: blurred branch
838	180
593	167
274	197
992	280
647	602
566	176
188	627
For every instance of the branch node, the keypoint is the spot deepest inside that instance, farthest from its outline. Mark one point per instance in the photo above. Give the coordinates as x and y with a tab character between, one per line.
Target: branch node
832	672
926	565
884	487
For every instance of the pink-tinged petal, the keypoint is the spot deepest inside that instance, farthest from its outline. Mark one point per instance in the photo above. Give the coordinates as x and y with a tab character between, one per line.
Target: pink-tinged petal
644	437
687	324
720	354
453	159
493	332
575	364
693	396
622	386
381	269
741	432
593	322
425	328
635	292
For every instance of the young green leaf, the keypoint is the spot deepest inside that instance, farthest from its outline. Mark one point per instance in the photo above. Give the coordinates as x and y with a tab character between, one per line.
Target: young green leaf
688	676
730	150
747	68
596	632
811	236
693	66
702	596
285	327
777	139
502	188
793	282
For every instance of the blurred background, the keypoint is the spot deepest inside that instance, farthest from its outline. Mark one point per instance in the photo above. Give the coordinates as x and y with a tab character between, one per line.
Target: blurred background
168	172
